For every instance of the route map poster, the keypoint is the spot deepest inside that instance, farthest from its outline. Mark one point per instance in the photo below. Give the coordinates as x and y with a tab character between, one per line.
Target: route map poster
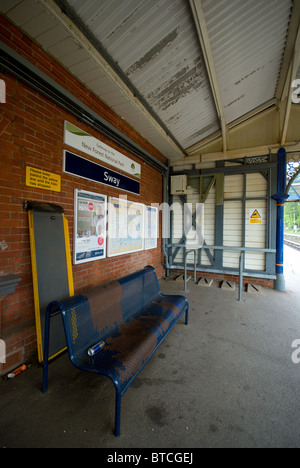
125	227
89	226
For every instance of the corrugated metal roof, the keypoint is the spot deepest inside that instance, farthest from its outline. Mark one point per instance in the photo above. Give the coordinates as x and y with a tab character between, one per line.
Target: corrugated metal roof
57	40
159	82
248	41
155	45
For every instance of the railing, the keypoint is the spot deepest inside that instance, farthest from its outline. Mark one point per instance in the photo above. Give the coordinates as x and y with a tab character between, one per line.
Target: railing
195	249
187	252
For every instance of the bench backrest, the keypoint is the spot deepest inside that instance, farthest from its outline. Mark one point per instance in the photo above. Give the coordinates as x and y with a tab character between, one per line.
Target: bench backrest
97	313
138	290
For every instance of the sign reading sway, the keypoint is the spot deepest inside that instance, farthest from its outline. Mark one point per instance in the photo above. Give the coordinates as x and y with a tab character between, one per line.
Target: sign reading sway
81	167
90	145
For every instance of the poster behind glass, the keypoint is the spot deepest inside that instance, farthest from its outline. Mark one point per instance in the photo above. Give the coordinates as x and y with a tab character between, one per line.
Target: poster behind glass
125	227
89	226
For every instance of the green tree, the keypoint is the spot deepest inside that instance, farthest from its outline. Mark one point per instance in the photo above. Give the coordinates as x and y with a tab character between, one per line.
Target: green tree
292	215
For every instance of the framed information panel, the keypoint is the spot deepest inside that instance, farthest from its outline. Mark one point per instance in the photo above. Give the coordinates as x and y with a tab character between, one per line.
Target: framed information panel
125	227
89	226
151	227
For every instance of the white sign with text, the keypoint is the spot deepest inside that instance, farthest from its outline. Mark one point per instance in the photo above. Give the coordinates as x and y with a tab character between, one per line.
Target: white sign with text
90	145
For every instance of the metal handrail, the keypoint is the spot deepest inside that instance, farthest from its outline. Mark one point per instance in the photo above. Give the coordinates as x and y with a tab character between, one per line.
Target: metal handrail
219	247
187	252
241	275
243	250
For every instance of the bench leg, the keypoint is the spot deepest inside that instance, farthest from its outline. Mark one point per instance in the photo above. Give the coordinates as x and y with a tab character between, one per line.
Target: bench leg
187	316
118	413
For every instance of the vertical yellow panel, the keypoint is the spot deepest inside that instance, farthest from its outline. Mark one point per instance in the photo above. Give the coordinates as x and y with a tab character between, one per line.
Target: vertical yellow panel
35	287
68	257
36	284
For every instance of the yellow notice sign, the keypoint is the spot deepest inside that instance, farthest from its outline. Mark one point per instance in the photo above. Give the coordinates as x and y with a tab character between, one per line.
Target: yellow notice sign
255	217
42	179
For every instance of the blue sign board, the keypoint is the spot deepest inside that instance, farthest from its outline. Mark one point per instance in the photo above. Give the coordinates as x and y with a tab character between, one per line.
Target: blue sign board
81	167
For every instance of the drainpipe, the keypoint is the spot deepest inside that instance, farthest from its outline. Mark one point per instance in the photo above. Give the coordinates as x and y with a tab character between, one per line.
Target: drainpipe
280	198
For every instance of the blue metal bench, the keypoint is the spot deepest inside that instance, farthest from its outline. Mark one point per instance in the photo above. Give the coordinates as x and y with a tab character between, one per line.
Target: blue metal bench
130	316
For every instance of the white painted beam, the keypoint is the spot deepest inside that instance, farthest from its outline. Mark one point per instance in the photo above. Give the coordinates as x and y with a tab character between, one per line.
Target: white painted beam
266	107
287	95
54	10
236	154
200	23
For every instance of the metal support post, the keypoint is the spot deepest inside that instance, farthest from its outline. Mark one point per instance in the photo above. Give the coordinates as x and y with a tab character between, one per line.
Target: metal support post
118	413
185	267
280	197
242	261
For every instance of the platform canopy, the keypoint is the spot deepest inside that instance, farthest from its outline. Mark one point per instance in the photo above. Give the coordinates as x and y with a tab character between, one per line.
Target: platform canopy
183	73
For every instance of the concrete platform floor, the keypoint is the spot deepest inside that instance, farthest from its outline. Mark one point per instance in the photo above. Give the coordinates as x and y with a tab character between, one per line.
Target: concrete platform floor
226	380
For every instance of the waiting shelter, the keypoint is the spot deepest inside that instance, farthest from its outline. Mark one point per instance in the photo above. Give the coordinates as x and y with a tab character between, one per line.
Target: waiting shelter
139	133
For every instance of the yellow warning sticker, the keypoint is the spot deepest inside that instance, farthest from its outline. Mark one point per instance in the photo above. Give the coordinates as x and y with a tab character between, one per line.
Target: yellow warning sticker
255	217
42	179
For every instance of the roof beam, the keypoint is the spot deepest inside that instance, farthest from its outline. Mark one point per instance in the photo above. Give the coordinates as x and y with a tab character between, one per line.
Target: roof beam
288	73
292	147
246	118
130	94
282	90
291	76
200	23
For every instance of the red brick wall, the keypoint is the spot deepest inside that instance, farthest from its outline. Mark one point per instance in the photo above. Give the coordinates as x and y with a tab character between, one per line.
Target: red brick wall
31	133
